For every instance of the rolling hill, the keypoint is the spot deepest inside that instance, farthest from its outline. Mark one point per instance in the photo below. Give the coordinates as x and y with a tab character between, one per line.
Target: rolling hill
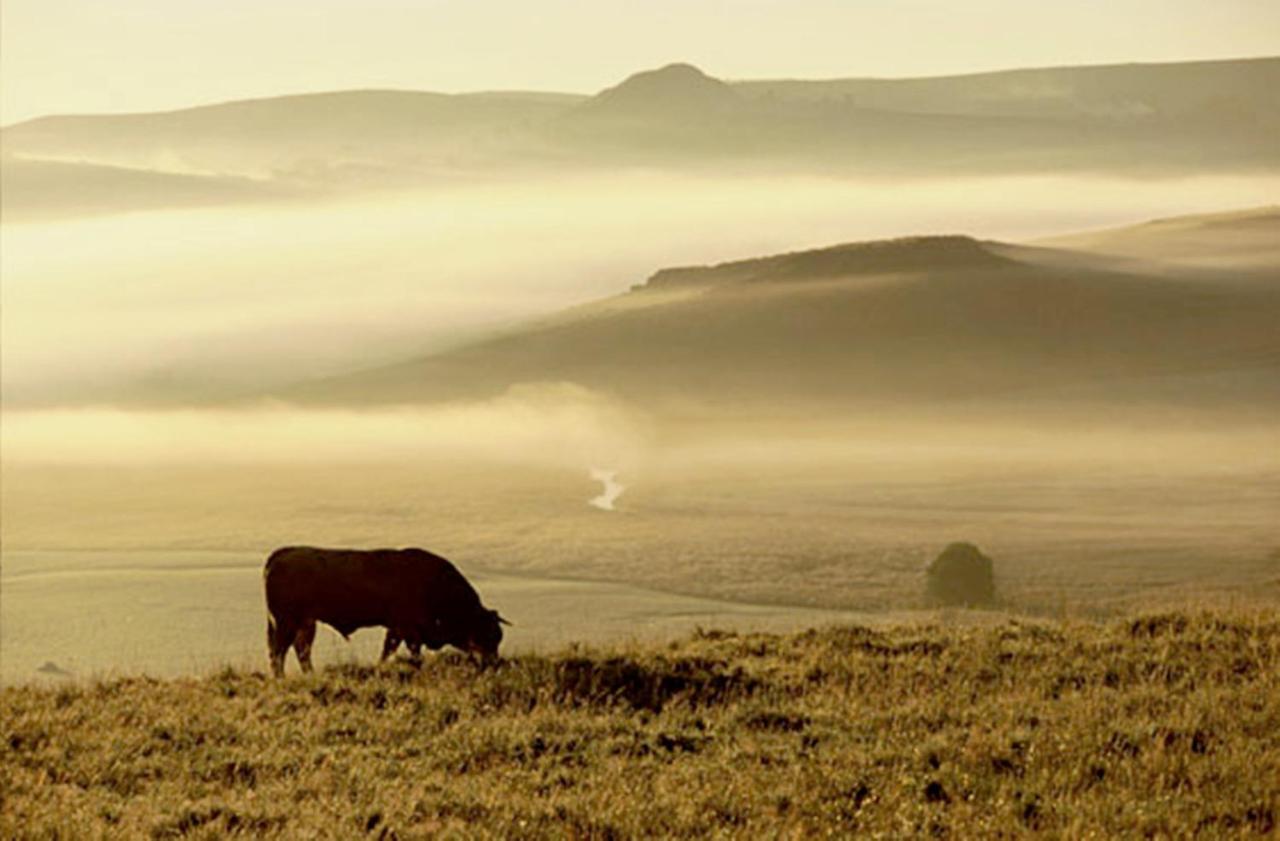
37	189
1245	242
304	136
937	320
1193	90
1193	117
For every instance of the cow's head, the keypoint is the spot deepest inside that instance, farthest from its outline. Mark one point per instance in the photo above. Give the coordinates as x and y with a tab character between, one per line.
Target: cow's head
485	633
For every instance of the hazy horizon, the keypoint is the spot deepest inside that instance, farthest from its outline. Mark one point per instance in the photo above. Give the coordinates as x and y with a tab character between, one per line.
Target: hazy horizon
164	58
586	92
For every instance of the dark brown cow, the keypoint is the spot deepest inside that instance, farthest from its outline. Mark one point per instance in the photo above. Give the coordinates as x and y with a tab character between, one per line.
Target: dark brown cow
420	598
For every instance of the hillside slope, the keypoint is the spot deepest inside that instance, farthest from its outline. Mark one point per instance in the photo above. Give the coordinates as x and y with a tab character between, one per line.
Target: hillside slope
1243	241
913	321
1163	725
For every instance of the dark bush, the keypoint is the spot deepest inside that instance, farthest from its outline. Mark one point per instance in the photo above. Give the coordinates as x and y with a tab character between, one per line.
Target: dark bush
961	575
652	685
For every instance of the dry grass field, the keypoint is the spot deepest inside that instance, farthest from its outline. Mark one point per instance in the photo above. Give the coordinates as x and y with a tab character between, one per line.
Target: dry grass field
1160	725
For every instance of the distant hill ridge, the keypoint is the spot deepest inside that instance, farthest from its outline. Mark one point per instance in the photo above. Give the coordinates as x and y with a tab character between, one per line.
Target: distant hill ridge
890	256
1263	217
1189	118
985	92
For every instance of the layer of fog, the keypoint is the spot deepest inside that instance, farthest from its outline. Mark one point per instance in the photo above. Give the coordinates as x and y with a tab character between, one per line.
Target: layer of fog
540	424
565	427
204	302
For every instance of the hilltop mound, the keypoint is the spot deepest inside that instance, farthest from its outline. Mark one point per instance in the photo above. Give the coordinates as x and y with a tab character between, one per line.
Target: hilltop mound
892	256
675	90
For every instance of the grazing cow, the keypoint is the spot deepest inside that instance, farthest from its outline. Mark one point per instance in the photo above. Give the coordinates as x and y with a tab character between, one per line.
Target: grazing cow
420	598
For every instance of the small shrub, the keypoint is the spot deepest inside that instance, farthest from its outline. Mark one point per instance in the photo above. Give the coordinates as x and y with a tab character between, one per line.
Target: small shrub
650	686
961	576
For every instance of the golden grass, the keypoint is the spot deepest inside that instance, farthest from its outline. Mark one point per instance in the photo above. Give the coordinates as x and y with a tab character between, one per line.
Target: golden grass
1165	725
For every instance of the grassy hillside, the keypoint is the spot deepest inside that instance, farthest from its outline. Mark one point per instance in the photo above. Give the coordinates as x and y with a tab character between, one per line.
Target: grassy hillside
1164	725
939	320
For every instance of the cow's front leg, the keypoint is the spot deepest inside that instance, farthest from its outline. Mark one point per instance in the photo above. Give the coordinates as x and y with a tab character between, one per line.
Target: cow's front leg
390	644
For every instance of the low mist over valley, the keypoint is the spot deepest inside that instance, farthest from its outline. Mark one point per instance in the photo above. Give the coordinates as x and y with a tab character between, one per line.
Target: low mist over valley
393	276
803	428
180	306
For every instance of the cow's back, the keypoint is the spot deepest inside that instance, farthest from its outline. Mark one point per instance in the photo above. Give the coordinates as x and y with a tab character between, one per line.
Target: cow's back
354	588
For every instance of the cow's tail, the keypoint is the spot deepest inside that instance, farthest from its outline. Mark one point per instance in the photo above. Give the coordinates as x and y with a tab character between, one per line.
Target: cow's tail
272	623
266	587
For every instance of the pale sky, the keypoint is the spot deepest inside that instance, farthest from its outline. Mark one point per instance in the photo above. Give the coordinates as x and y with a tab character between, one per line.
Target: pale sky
76	56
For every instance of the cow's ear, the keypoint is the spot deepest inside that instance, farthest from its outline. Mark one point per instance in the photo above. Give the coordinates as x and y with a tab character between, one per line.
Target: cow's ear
498	616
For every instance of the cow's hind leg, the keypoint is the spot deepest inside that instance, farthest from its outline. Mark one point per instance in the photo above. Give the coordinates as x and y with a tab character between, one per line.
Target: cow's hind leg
390	644
414	644
302	640
279	637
